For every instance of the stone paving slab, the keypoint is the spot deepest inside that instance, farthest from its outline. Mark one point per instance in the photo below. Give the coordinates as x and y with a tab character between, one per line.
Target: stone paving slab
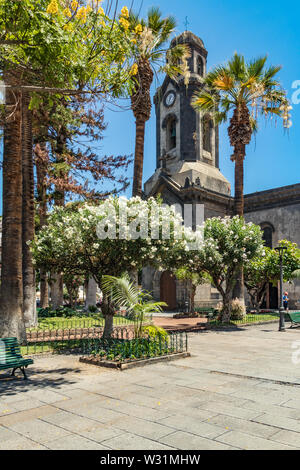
230	423
39	431
74	442
184	440
193	425
130	441
248	442
141	427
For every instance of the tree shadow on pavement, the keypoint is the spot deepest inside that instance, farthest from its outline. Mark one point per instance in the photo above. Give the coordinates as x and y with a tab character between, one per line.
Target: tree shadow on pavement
37	379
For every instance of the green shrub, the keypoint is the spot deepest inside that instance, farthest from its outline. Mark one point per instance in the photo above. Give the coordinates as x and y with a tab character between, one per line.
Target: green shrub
155	332
92	309
237	310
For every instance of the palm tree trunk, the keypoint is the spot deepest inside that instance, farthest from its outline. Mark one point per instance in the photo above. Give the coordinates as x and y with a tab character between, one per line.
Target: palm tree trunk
141	106
239	182
28	213
11	298
91	293
139	157
57	294
44	289
41	163
238	291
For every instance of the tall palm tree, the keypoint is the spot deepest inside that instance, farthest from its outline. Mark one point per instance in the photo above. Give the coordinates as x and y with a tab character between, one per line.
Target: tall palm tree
237	93
28	215
11	295
151	55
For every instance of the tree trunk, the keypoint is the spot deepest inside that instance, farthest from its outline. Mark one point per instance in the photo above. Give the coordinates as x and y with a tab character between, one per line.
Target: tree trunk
193	295
28	222
108	313
226	312
108	327
141	106
41	163
139	157
239	182
57	296
239	289
44	289
11	299
91	293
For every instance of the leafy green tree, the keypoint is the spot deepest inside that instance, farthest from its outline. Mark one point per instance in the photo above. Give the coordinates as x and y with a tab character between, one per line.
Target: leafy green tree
62	48
263	270
192	280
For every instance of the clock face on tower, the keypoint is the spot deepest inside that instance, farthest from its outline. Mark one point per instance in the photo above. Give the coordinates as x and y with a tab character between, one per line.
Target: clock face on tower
170	99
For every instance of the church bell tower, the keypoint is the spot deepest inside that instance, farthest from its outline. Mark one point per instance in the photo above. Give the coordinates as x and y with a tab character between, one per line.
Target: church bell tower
187	141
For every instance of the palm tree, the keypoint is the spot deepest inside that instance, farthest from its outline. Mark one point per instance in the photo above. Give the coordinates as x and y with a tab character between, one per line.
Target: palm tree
237	93
11	296
28	215
151	55
124	293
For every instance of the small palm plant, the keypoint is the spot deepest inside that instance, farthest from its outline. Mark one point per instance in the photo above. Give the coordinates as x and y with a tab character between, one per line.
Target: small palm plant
151	55
125	294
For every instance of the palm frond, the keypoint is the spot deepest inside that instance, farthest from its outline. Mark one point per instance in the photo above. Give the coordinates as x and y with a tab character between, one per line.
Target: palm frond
121	291
237	67
255	68
204	101
224	82
271	72
215	74
254	125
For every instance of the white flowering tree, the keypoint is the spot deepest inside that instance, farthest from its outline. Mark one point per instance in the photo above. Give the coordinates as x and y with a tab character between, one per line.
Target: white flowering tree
111	238
229	244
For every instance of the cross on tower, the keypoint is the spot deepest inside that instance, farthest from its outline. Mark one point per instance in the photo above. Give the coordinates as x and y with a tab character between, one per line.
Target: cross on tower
186	23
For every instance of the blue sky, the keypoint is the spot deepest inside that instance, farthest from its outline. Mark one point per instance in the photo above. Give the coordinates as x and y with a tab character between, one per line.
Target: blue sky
251	28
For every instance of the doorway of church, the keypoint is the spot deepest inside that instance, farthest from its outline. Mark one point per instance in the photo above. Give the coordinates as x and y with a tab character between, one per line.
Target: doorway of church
271	300
168	290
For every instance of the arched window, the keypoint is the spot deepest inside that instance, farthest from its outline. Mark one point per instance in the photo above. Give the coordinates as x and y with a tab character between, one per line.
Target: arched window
207	127
200	66
171	134
268	231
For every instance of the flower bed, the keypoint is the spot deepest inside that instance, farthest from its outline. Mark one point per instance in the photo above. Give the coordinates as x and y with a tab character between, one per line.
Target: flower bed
121	354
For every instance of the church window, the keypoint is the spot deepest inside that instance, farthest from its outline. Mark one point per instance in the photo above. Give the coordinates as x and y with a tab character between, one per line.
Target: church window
267	230
207	133
200	67
171	134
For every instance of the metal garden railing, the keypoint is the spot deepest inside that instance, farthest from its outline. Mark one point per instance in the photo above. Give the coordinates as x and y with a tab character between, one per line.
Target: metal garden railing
123	343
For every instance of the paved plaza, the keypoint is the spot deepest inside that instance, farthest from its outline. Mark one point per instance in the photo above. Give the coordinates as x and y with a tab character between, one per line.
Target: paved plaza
239	390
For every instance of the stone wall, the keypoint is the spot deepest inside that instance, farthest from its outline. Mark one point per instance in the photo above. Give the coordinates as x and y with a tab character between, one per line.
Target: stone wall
280	209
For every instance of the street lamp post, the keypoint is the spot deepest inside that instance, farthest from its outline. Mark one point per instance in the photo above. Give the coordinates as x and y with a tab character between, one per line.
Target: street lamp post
281	250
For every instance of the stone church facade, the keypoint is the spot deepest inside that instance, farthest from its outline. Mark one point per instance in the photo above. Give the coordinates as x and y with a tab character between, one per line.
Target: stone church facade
188	172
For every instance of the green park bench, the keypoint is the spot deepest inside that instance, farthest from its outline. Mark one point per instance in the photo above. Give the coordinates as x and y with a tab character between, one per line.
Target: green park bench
11	357
207	311
294	318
